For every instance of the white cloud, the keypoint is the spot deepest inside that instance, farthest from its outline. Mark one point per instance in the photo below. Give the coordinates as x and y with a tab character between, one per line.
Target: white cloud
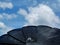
2	25
22	12
41	15
5	5
4	28
7	16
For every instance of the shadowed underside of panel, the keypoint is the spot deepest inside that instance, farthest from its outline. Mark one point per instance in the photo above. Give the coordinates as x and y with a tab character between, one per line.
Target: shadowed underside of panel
32	35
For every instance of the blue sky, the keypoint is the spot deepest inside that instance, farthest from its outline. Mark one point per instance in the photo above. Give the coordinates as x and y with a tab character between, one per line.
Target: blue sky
19	13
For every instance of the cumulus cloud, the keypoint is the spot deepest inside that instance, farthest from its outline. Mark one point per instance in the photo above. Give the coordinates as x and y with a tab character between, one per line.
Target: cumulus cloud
4	28
5	5
41	15
7	16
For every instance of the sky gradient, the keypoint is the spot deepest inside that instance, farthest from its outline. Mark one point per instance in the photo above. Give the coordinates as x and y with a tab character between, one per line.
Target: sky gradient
18	13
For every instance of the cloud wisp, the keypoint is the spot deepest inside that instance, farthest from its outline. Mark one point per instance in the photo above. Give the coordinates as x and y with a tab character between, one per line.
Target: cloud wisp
5	5
40	15
7	16
4	28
